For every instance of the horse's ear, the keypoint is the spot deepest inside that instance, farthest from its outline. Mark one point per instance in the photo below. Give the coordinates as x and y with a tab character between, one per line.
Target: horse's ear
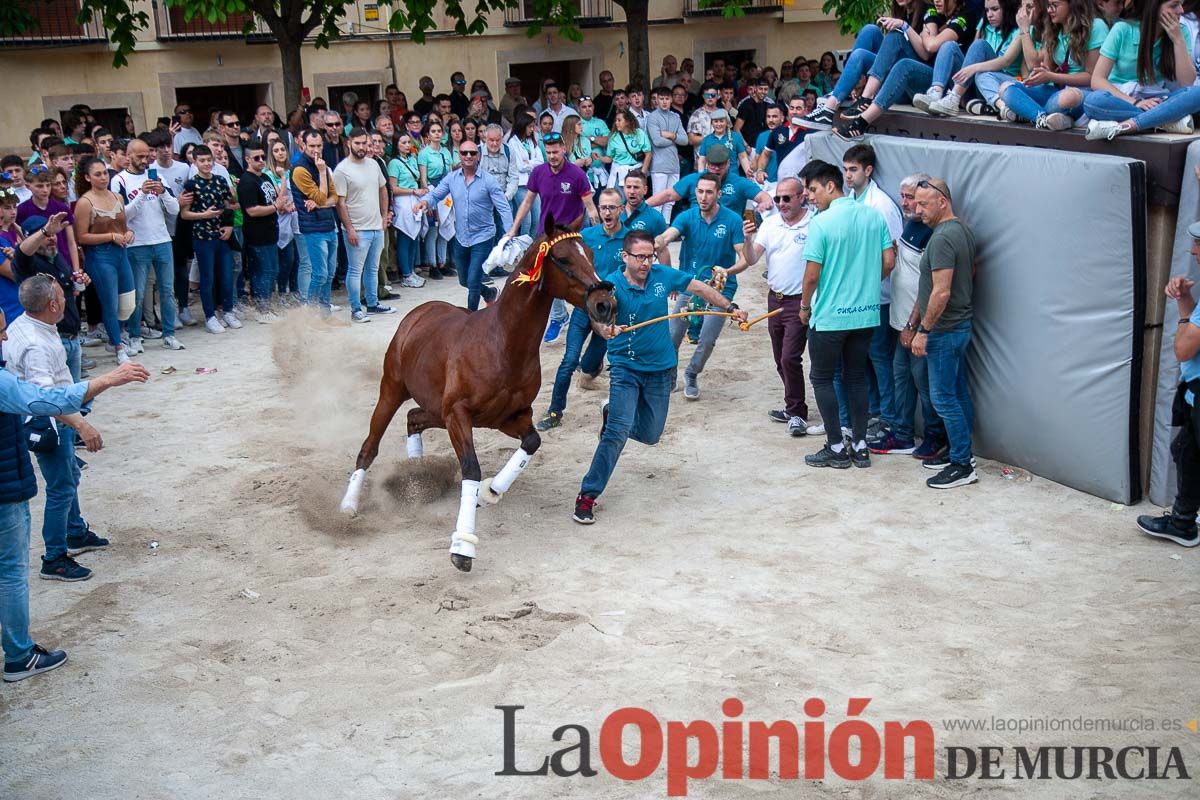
548	226
577	225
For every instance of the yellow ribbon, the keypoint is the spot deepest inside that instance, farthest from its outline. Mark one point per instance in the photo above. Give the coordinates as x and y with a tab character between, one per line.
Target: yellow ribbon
534	273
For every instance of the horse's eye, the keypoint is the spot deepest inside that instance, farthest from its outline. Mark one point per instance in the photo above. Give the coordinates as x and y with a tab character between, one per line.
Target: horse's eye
562	262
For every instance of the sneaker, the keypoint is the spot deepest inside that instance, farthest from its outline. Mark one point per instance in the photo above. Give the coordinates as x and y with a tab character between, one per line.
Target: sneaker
857	108
859	458
434	274
603	418
1057	121
890	445
691	389
150	333
447	270
265	317
1165	527
584	509
359	316
930	448
1184	126
87	363
797	427
816	430
941	461
413	281
185	316
63	568
877	428
825	457
123	356
551	420
778	415
171	343
851	130
924	100
241	310
947	106
589	383
212	325
981	108
552	331
39	661
819	119
1102	129
135	346
85	544
488	280
231	321
93	339
221	319
380	310
1005	114
334	308
952	476
499	272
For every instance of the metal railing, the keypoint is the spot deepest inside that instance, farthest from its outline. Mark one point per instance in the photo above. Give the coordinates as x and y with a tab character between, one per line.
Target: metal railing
586	12
171	24
56	23
701	8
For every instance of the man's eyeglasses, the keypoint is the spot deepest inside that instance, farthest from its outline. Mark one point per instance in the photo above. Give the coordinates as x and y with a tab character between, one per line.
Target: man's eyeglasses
610	208
552	138
258	157
642	258
465	153
784	198
929	185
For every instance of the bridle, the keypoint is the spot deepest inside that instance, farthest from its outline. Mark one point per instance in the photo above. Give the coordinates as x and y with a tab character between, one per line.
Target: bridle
534	273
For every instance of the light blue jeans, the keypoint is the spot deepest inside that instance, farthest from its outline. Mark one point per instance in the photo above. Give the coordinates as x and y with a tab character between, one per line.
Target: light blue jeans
364	268
14	581
74	356
434	247
162	258
62	518
988	85
108	267
322	255
1180	103
866	47
303	269
529	224
1030	102
946	359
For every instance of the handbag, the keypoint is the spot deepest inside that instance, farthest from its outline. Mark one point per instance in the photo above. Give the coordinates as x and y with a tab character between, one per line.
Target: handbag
41	434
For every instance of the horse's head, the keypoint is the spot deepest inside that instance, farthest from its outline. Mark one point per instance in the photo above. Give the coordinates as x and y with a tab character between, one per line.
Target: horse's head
567	272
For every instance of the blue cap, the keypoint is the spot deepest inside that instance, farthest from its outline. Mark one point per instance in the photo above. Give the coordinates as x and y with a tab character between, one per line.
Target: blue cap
33	224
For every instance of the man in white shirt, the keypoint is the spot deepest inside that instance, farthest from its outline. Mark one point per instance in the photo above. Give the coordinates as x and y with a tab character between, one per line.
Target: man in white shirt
555	106
781	239
187	133
34	353
150	210
363	209
173	174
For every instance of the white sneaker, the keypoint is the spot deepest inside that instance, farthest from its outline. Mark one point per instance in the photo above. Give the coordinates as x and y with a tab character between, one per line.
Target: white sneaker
265	317
816	430
1005	113
334	308
123	356
241	310
186	318
150	333
1184	126
135	346
94	338
946	107
232	321
387	287
213	325
1102	129
1057	121
171	343
360	316
924	100
413	281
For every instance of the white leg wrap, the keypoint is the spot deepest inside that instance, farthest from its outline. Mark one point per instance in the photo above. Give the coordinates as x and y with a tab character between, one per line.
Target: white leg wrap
463	540
515	466
416	447
353	492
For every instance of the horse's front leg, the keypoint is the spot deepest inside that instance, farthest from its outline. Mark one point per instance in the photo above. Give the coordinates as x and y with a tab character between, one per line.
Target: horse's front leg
519	427
463	540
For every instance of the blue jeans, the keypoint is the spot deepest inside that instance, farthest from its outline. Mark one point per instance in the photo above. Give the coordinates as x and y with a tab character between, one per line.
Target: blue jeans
285	281
322	255
988	85
529	224
578	331
558	311
469	261
364	268
907	78
637	409
433	246
946	359
911	372
162	258
1180	103
303	268
213	257
408	254
1030	102
14	581
74	356
883	350
60	470
949	59
108	267
265	273
866	45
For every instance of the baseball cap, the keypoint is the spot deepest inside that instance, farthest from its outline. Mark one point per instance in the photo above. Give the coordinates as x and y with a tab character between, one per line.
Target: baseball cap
718	113
716	154
1194	230
512	81
32	224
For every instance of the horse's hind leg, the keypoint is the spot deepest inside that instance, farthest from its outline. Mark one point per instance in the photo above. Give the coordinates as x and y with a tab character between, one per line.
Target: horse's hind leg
463	540
419	420
519	427
392	394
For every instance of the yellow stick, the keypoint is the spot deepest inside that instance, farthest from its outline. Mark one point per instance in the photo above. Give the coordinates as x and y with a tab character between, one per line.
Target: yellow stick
745	326
680	314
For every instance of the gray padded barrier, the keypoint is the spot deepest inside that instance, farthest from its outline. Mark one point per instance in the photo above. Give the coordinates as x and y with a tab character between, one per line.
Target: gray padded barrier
1055	361
1162	469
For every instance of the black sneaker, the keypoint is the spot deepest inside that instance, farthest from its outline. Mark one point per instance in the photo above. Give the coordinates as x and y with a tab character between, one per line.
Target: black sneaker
380	310
930	448
819	119
39	661
952	476
86	543
1165	527
851	130
778	415
981	108
63	568
434	273
551	420
855	110
825	457
941	461
499	272
584	505
448	270
860	458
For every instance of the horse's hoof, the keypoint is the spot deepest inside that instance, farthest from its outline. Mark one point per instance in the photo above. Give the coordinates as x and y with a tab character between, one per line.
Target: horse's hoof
486	495
461	563
349	509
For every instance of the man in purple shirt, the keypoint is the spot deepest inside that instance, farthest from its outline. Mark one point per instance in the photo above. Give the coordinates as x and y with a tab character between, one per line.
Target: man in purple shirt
565	194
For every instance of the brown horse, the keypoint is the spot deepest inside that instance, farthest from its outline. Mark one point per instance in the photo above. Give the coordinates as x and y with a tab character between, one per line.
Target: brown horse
482	370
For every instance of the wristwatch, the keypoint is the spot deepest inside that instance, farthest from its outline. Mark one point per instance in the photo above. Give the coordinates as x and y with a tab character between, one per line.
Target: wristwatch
908	326
922	329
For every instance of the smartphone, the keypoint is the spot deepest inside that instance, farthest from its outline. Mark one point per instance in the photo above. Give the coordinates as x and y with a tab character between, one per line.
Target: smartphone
306	95
175	120
152	173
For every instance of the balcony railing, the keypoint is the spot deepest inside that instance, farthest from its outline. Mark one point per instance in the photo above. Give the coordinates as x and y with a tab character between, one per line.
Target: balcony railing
171	24
55	22
701	8
587	13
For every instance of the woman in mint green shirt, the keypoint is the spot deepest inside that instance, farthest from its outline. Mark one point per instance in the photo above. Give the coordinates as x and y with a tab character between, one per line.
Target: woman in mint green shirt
404	176
628	149
1052	94
434	162
1143	78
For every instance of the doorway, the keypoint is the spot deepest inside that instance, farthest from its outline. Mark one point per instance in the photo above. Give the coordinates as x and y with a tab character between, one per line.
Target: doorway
363	91
564	73
240	98
735	57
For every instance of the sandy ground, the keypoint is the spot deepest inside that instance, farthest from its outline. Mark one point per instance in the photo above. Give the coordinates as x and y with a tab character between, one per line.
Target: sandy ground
267	649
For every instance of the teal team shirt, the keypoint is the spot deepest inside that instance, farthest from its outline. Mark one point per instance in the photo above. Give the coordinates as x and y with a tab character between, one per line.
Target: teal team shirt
606	250
1000	44
847	240
710	244
773	164
1121	45
594	127
647	349
736	191
1062	52
645	219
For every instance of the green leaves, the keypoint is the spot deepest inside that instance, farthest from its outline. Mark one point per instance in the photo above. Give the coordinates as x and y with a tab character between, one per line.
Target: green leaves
853	14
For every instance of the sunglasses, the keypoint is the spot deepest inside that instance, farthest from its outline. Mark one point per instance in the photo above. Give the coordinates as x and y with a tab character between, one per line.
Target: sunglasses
784	198
465	153
552	138
259	157
586	97
233	124
183	111
928	185
38	170
710	94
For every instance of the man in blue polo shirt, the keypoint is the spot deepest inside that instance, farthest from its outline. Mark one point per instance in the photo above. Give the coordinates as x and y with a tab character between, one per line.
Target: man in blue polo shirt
605	241
736	191
642	361
712	238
